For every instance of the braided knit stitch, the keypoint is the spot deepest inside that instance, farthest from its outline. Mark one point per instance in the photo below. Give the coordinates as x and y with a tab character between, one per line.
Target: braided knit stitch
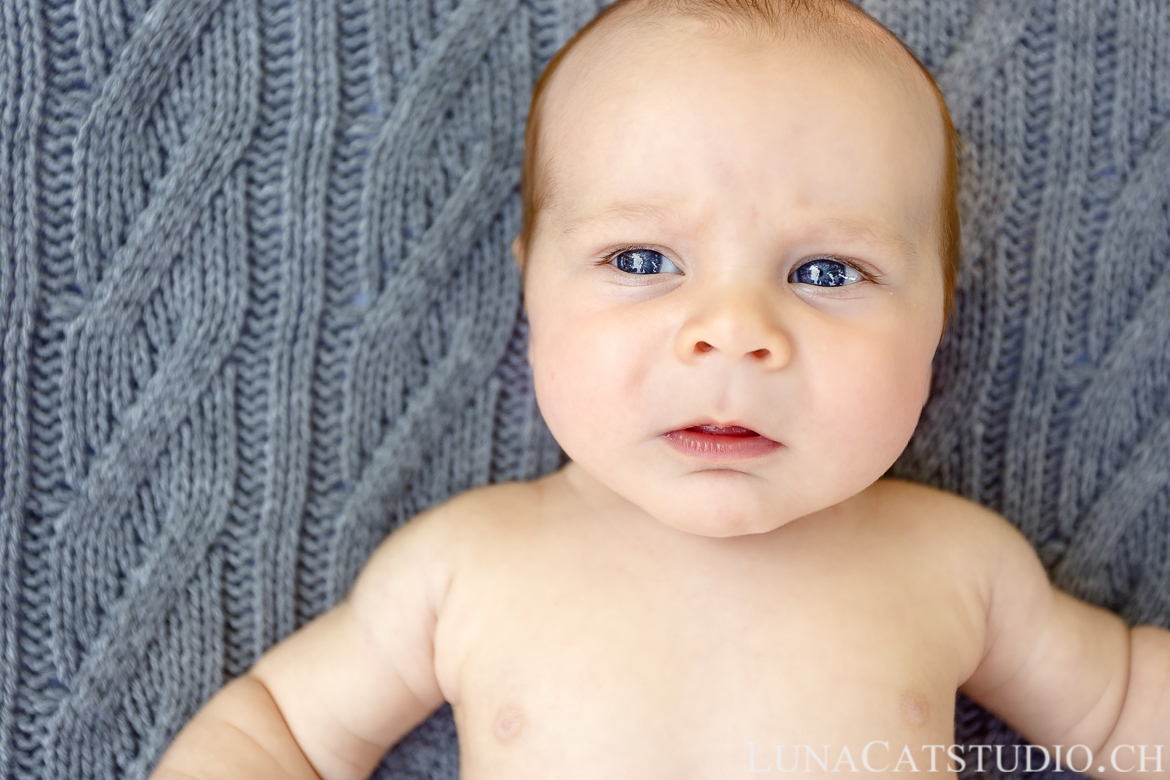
257	309
1050	401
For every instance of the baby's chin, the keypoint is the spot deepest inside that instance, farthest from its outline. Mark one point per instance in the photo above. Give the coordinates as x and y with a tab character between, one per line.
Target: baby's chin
721	503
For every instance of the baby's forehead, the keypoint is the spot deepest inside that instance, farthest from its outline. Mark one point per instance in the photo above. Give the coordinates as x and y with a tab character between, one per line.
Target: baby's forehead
657	69
836	26
594	67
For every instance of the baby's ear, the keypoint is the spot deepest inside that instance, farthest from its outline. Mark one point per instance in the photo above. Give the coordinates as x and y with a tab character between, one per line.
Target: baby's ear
518	252
518	256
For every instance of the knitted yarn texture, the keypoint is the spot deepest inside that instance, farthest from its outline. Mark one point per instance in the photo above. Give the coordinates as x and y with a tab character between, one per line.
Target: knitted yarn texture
258	308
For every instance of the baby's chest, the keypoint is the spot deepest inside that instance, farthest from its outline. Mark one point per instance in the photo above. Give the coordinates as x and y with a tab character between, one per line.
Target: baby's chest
630	677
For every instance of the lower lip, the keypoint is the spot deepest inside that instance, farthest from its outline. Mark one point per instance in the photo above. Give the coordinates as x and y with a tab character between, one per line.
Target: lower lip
720	446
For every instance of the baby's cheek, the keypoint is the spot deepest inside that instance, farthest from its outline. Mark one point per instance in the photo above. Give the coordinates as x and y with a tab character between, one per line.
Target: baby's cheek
874	409
555	394
896	403
573	392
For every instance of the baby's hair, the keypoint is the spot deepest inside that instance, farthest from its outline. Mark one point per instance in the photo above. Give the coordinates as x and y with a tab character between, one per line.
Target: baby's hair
760	21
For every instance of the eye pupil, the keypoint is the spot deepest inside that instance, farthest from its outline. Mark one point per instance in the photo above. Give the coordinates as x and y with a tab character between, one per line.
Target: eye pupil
639	261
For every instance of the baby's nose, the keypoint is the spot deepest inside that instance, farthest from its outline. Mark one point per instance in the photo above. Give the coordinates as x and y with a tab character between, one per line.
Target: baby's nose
737	325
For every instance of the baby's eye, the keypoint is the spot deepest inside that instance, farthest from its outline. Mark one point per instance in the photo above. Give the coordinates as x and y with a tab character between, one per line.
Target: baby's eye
643	261
826	272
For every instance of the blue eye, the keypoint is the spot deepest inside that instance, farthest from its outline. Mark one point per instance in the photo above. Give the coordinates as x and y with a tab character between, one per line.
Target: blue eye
643	261
825	272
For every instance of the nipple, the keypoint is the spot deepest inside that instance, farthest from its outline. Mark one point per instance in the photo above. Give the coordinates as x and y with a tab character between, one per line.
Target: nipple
509	722
915	708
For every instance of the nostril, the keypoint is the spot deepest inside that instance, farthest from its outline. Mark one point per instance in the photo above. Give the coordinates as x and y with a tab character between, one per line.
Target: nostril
761	354
703	346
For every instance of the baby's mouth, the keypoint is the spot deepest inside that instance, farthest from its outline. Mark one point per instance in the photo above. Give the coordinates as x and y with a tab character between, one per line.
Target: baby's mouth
731	430
720	442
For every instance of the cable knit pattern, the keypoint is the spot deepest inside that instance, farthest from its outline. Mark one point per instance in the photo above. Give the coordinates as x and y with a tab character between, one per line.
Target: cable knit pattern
257	309
1050	400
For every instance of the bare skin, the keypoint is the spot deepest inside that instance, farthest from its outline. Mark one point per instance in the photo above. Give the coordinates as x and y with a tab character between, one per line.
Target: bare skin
720	570
642	651
689	648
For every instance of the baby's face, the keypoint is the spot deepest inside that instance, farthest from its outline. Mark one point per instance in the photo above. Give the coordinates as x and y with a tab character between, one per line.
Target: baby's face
738	238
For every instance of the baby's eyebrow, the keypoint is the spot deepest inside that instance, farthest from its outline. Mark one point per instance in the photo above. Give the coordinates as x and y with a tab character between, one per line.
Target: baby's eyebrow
626	212
836	227
867	232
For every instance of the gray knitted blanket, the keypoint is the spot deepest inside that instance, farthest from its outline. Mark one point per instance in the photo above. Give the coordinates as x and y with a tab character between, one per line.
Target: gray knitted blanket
257	309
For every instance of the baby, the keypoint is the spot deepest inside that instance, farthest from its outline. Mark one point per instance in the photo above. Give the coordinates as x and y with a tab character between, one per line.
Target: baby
736	270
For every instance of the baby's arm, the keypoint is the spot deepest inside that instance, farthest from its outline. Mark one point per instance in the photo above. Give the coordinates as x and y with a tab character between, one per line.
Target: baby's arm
332	698
1063	672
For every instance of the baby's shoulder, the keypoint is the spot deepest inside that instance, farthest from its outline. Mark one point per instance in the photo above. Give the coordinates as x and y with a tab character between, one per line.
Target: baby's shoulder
470	519
440	541
488	505
946	523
